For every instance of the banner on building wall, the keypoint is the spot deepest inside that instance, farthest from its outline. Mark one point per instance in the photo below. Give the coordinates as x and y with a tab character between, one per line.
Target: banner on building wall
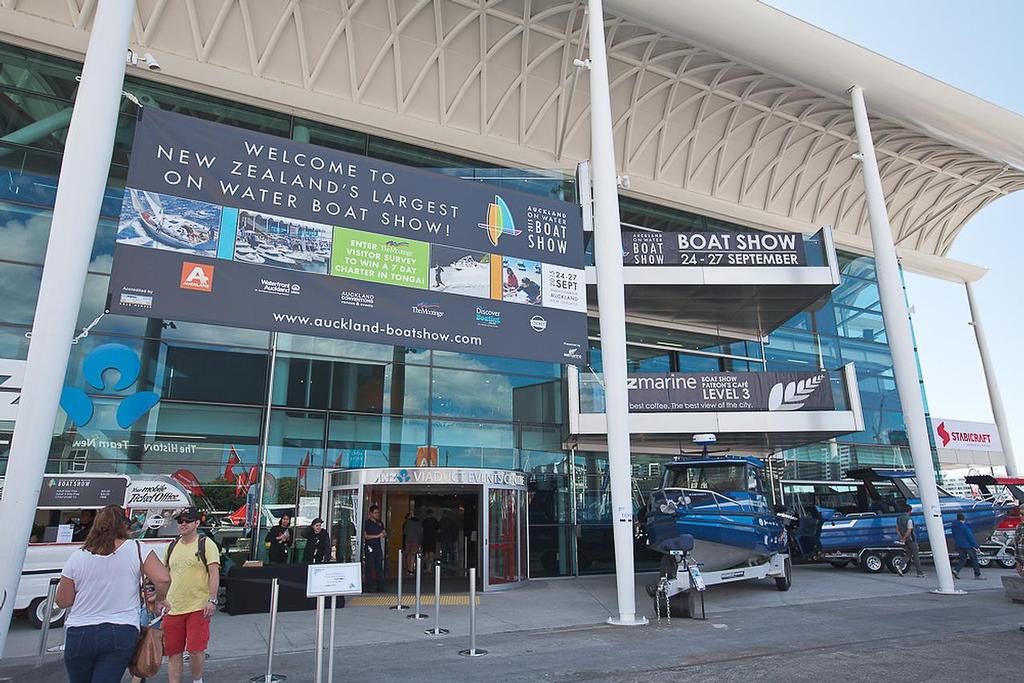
961	435
698	392
232	227
743	249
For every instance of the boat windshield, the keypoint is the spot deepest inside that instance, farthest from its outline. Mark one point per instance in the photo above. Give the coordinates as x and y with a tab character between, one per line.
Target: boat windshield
725	479
915	491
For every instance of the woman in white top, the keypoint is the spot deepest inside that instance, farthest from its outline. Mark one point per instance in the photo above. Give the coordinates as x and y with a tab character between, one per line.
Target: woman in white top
100	583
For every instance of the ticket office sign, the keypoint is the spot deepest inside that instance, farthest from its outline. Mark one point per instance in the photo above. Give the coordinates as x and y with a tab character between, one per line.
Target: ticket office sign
712	249
233	227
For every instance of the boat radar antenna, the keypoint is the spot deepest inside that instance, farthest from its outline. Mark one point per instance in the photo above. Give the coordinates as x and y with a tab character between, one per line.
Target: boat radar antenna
704	440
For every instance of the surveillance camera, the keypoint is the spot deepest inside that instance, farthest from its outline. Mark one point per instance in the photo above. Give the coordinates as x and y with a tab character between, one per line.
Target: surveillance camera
150	61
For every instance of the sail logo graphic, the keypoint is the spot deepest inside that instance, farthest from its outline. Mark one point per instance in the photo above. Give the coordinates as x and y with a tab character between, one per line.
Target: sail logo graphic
499	221
197	277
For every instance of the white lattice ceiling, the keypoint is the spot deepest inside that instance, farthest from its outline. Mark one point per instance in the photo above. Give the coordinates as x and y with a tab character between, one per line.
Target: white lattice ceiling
494	79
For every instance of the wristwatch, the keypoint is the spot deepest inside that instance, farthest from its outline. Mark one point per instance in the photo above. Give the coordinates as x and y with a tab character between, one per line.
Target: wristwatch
212	601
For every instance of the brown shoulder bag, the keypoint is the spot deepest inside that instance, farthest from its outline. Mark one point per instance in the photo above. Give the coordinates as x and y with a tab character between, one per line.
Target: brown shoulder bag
149	652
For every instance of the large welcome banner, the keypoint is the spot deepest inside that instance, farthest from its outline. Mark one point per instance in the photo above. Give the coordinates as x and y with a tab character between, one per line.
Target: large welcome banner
226	226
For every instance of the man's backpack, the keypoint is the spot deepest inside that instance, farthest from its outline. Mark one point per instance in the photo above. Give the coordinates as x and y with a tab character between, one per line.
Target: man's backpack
202	551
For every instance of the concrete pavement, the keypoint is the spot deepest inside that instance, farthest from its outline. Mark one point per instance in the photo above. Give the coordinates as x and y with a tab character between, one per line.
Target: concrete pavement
530	630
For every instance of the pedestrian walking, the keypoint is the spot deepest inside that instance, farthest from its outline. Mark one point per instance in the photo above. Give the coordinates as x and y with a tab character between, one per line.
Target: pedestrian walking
908	537
967	547
373	551
318	543
194	564
279	540
412	539
431	530
100	584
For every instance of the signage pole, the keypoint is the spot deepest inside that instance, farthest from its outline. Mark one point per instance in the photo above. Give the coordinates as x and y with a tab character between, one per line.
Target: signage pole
608	257
83	177
901	345
254	550
319	669
994	397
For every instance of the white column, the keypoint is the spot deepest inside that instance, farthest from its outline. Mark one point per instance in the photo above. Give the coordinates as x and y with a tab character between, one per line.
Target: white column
83	176
994	397
612	312
901	346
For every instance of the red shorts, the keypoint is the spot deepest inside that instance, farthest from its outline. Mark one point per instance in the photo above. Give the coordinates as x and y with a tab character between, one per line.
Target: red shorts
185	632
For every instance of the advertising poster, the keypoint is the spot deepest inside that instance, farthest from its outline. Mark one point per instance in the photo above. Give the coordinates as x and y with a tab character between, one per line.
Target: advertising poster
688	392
741	249
233	227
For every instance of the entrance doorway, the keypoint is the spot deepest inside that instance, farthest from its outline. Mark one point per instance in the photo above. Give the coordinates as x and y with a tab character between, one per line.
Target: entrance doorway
465	518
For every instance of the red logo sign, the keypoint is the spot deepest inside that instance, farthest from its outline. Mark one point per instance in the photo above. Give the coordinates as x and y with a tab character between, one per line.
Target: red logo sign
943	434
196	276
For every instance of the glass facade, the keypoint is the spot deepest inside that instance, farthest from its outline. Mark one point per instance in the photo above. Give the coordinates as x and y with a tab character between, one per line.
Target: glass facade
232	398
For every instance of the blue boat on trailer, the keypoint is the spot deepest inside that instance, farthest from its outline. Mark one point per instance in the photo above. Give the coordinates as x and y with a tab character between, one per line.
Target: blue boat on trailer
860	525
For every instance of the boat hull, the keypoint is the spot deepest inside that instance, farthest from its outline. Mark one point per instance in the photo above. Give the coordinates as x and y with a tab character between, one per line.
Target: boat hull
722	540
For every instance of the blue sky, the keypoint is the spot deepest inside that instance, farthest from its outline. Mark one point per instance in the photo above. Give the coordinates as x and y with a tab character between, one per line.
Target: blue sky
975	47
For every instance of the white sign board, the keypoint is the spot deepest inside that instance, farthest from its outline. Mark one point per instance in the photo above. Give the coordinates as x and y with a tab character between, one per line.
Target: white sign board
65	533
334	579
960	435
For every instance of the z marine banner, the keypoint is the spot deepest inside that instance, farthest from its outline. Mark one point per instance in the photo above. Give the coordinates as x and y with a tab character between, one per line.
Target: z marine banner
232	227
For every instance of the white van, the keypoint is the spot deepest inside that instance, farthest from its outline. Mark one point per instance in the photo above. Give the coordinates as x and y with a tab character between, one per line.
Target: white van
150	500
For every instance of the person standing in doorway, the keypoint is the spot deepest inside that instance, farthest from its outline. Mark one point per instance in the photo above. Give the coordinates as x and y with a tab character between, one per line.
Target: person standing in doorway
279	540
905	529
194	564
412	539
373	550
431	529
966	545
449	535
318	543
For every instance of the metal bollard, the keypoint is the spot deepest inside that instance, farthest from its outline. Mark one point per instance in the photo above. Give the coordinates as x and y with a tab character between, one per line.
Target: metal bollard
437	630
51	592
401	570
270	677
472	651
416	614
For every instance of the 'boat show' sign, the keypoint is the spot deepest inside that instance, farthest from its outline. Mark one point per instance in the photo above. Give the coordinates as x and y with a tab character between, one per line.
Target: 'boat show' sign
233	227
741	249
688	392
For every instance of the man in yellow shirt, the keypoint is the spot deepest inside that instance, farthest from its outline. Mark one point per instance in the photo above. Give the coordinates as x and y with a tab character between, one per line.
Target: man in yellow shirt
194	563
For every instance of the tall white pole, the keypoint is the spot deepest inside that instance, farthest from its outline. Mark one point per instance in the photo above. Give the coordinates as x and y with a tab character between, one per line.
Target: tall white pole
608	259
994	397
901	346
83	176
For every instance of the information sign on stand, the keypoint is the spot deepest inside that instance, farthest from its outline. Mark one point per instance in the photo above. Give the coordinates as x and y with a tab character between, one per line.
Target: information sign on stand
324	580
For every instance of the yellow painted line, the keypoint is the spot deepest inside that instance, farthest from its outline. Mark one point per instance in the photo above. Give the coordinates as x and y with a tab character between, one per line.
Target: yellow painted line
407	600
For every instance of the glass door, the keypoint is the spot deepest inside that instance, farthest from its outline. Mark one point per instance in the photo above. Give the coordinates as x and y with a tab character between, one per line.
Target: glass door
344	520
503	539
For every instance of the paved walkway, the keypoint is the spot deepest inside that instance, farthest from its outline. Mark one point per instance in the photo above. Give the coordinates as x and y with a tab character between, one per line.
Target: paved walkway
545	608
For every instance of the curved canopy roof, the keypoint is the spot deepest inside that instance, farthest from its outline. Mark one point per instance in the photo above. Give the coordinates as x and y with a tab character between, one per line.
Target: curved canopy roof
731	107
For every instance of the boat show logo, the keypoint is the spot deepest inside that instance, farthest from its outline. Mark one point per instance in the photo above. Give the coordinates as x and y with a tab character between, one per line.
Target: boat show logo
79	406
499	221
538	323
486	317
197	277
423	308
572	351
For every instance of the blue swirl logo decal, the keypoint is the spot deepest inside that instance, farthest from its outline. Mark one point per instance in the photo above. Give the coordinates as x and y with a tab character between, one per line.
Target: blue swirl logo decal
79	406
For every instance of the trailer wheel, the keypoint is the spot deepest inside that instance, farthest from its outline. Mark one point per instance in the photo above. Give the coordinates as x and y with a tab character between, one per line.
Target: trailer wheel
897	562
984	560
784	582
36	612
872	562
683	605
1006	562
840	564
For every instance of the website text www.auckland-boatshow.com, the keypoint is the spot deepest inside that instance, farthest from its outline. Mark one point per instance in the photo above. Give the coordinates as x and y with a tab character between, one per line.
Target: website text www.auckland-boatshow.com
349	325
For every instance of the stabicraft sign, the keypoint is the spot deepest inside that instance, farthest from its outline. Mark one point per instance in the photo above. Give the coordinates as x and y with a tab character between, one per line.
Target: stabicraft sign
965	436
232	227
743	249
689	392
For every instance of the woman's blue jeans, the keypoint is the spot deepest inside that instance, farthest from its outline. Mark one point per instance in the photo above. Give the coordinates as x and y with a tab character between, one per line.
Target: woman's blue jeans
99	653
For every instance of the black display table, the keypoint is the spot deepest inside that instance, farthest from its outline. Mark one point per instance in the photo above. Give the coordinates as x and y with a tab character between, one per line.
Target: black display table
248	589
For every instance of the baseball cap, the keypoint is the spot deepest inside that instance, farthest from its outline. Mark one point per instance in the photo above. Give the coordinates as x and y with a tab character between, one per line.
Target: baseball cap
189	514
316	521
